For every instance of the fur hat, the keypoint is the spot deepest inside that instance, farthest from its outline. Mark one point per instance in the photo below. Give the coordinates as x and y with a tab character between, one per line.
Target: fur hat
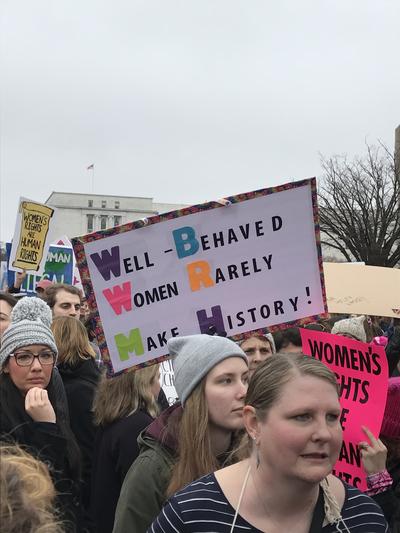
195	355
30	324
391	417
351	326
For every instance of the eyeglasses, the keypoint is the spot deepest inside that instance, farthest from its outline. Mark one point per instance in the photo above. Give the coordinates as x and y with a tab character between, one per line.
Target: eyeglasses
47	357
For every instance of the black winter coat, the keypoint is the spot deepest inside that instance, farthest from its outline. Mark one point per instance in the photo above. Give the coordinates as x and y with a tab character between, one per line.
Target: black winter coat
116	449
80	384
51	443
389	500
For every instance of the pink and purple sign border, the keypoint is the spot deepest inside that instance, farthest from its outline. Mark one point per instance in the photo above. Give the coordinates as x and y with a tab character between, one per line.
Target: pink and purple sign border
79	242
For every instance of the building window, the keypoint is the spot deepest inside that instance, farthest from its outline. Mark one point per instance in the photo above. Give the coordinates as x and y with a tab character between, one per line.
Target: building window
117	221
103	204
90	219
90	203
116	204
103	221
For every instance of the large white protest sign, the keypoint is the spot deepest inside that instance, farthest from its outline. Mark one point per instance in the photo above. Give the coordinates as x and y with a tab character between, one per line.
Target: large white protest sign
362	289
235	268
32	237
167	381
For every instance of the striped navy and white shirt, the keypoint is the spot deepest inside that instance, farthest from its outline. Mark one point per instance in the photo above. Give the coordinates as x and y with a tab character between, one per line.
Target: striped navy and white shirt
201	507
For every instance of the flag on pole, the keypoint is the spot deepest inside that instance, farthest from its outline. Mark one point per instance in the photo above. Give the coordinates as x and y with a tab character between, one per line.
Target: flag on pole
90	167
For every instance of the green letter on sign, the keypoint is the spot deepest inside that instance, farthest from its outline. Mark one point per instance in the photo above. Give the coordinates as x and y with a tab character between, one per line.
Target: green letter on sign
127	345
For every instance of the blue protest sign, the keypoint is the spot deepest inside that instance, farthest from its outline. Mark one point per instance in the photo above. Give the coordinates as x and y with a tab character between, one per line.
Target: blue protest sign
59	269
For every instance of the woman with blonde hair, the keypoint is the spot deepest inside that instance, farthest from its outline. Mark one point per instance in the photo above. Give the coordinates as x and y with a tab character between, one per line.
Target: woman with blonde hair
292	418
123	407
192	438
27	493
80	374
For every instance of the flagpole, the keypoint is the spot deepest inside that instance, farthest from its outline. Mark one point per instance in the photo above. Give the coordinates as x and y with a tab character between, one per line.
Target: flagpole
91	167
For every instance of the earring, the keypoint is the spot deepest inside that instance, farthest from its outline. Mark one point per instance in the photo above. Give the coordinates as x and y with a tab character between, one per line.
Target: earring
257	453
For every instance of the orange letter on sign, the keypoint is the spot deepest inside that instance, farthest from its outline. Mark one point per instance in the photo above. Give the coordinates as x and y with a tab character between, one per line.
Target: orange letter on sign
199	274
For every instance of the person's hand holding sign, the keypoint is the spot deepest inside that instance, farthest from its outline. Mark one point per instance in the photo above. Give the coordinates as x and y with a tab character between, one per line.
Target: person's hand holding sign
373	454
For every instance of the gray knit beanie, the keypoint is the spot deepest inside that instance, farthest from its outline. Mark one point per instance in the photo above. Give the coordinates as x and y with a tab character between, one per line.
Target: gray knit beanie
351	326
30	324
195	355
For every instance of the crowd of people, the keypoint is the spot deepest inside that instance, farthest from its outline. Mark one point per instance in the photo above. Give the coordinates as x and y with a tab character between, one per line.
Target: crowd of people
249	446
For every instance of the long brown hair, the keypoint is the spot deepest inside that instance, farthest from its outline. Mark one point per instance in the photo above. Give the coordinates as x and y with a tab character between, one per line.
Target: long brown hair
195	455
124	394
72	341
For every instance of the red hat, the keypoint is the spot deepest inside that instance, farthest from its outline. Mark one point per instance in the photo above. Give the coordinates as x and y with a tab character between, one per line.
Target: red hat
43	284
391	418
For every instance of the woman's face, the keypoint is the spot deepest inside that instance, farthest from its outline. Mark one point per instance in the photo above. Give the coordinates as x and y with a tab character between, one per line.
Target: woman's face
27	377
5	316
301	436
257	351
225	390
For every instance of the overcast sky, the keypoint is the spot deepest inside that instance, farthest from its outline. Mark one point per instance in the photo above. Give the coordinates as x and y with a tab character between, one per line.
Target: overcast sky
188	101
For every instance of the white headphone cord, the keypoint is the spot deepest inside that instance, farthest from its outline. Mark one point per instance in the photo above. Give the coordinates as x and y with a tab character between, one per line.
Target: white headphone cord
240	498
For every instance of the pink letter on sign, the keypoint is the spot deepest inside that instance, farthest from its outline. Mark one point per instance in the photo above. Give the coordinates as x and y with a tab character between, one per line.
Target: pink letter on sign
362	373
119	298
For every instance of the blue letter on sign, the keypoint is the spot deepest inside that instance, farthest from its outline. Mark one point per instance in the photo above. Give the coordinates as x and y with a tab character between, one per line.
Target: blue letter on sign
185	241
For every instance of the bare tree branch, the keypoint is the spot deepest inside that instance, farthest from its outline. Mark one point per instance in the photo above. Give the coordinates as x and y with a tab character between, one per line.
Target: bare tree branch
360	207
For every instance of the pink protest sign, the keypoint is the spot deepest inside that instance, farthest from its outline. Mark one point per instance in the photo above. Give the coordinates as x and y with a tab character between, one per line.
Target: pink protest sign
362	373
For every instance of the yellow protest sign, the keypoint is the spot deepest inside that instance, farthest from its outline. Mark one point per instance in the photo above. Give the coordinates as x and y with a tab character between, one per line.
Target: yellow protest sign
35	224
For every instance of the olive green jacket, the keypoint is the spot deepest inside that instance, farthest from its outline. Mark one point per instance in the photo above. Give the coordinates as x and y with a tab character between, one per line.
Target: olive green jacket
143	491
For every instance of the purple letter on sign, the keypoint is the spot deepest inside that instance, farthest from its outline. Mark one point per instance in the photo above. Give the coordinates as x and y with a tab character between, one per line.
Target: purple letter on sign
107	262
214	321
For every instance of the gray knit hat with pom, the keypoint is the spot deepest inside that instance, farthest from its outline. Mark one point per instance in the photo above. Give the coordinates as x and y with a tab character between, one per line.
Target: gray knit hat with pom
195	355
30	324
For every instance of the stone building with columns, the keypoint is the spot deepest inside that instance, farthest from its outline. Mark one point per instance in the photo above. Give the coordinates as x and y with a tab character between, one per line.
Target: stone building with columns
79	214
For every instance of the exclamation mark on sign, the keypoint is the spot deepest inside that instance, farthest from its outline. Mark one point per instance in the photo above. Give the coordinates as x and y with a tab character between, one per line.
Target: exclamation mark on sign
308	293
